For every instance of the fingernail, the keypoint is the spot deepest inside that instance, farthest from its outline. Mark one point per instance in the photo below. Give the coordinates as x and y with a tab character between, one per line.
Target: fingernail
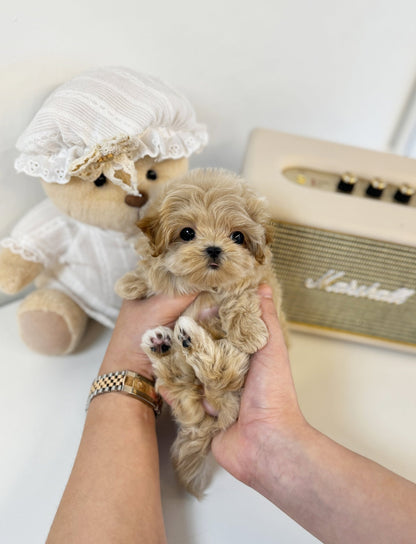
265	291
209	409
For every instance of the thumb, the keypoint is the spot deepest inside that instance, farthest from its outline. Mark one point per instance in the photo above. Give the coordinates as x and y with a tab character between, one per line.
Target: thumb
276	344
269	367
180	302
174	306
219	444
224	446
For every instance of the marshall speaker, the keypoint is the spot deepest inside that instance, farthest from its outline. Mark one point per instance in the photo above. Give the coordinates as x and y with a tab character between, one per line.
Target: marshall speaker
345	235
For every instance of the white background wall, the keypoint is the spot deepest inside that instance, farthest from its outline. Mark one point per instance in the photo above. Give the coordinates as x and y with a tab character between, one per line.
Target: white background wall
338	70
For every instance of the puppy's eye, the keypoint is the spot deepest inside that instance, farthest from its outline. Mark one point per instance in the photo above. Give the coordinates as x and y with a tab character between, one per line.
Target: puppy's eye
237	237
151	175
187	234
99	182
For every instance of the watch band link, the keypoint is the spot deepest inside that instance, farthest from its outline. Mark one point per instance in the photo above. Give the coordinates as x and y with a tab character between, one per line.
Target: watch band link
129	383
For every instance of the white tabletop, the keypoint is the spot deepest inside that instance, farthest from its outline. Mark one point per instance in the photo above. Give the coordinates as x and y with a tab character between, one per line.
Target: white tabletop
363	397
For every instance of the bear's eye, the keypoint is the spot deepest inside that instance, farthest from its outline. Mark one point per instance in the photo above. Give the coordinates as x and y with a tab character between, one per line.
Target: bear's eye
151	175
99	182
237	237
187	234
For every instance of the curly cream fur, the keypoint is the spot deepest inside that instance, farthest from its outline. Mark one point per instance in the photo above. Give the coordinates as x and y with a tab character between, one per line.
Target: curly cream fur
204	360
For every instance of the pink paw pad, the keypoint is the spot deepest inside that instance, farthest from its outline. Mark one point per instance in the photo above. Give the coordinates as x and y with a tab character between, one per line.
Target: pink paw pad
160	342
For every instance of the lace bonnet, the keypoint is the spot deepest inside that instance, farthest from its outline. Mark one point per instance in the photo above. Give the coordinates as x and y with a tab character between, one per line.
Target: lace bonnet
103	121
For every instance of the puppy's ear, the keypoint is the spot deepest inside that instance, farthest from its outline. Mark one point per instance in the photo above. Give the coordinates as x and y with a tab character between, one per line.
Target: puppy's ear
259	249
257	210
269	232
150	226
262	249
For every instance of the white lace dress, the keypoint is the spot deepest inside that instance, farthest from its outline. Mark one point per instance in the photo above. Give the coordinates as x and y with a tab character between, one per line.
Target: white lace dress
81	260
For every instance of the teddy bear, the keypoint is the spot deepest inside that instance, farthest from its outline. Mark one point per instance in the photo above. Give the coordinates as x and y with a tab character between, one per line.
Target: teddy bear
102	145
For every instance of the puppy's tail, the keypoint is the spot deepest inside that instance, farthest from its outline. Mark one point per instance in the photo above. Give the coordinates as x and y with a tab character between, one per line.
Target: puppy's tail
192	460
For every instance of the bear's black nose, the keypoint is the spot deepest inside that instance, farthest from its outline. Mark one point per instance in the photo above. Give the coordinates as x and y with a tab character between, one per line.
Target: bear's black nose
136	201
213	251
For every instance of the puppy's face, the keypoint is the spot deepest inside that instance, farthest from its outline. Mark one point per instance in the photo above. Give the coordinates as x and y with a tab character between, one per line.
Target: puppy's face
210	232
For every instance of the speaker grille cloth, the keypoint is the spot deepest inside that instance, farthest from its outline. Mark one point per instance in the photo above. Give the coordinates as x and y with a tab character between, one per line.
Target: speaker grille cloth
302	252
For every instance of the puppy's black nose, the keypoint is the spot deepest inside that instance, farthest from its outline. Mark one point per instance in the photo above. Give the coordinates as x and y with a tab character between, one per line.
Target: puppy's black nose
213	251
136	201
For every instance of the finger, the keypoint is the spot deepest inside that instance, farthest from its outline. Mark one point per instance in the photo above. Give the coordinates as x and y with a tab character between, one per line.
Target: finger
269	379
222	444
165	396
209	409
226	451
219	445
270	318
169	308
271	363
175	306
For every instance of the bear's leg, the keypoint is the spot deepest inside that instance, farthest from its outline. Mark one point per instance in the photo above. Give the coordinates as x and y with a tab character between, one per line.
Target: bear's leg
50	322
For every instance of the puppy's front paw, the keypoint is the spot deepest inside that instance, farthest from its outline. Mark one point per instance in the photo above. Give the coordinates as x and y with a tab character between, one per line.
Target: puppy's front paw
249	339
157	342
188	333
131	286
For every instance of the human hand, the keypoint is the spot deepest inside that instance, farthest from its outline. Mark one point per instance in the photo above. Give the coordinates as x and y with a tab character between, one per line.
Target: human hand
135	318
269	411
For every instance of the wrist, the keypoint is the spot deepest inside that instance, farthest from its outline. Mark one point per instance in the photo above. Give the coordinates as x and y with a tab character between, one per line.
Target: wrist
114	407
278	457
116	360
129	383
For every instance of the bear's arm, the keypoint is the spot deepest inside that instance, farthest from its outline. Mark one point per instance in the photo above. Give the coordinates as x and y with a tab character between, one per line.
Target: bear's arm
15	272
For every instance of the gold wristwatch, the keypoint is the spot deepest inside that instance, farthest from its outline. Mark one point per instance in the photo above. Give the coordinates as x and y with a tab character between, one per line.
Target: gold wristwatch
130	383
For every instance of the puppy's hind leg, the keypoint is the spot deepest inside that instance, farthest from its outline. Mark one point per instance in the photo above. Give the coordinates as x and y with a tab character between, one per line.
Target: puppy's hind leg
176	377
218	365
195	343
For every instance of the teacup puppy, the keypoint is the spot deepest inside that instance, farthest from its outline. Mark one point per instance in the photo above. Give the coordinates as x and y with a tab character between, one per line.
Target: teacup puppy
207	233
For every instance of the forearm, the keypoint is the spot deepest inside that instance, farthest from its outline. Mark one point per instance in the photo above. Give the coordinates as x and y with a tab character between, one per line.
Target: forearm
335	494
113	494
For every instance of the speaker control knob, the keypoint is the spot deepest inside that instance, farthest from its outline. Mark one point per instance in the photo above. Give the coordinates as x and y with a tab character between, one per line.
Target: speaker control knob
347	183
403	194
376	188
